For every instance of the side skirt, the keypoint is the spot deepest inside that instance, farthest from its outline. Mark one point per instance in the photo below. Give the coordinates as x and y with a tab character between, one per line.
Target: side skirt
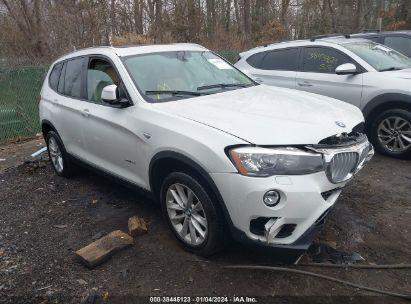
117	179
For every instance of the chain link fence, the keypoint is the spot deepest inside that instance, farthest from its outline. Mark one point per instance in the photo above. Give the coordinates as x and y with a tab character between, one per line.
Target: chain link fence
19	97
20	94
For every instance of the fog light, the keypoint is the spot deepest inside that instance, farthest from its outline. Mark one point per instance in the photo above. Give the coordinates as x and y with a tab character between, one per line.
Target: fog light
271	198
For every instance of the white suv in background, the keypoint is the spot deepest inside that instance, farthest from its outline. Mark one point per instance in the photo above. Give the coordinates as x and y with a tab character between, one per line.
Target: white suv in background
368	75
215	148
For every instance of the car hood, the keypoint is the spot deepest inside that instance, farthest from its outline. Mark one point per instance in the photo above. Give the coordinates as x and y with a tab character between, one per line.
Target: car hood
403	74
265	115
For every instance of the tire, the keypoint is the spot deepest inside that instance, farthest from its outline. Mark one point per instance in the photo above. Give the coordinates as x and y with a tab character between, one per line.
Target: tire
390	132
214	231
62	167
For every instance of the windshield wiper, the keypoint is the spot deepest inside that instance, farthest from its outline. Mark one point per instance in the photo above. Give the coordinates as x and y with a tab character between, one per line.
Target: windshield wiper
222	85
391	69
173	93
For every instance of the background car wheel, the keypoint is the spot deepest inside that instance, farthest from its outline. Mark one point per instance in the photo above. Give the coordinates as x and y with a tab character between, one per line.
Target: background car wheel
391	133
58	155
191	214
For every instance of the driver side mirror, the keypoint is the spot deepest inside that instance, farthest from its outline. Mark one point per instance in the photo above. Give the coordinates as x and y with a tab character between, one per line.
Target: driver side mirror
111	96
346	69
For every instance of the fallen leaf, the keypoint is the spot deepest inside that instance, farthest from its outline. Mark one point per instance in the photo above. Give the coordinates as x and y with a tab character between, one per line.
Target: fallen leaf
60	226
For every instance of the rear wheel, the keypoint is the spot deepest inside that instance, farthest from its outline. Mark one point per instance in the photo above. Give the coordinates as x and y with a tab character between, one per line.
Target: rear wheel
391	133
58	155
191	214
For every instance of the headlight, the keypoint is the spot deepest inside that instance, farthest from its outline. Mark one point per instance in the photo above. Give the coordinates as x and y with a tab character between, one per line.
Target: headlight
256	161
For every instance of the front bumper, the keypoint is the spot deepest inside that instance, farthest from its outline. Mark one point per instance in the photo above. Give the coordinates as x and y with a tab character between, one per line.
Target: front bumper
305	200
301	205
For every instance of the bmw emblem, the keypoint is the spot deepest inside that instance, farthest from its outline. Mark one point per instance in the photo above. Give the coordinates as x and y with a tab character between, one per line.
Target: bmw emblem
340	124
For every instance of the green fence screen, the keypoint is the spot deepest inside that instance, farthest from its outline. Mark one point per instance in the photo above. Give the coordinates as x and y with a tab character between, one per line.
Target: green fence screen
19	96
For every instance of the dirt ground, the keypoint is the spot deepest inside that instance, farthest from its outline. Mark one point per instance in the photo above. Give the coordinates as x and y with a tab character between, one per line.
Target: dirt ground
37	262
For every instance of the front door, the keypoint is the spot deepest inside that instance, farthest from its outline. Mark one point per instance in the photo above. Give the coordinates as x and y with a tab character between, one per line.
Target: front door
112	145
318	75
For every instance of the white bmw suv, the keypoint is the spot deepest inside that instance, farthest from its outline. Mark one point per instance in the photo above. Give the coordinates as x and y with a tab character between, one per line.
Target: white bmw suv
217	150
371	76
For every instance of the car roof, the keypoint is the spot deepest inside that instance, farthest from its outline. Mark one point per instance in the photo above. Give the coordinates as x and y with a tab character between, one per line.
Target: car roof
336	40
374	33
124	51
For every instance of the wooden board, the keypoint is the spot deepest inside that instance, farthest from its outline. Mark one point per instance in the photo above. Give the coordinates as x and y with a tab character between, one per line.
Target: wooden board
100	250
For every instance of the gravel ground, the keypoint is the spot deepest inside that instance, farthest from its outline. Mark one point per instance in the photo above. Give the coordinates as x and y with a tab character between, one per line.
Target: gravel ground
44	219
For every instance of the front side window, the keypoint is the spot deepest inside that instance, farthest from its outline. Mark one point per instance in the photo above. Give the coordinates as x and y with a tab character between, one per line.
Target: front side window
73	78
182	74
100	73
322	60
400	44
285	60
379	56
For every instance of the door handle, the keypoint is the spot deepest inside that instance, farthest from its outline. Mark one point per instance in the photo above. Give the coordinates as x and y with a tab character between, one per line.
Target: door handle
304	84
85	112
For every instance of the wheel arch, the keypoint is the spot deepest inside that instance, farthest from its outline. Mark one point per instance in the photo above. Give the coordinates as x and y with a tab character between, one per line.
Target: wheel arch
47	126
166	162
384	102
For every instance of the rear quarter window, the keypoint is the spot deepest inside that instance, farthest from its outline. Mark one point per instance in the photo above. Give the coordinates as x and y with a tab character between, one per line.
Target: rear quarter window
55	76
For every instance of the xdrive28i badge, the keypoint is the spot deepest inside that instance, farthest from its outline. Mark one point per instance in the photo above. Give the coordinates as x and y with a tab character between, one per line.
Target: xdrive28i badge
340	124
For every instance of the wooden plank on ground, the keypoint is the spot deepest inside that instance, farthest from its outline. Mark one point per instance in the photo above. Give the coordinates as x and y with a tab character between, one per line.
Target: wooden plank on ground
100	250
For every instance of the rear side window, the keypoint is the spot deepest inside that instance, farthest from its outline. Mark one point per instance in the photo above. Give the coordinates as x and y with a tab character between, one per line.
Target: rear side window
55	75
255	60
400	44
73	78
322	60
285	59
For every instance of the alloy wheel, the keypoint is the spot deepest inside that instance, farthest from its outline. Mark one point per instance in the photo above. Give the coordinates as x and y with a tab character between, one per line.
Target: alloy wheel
394	134
56	155
186	214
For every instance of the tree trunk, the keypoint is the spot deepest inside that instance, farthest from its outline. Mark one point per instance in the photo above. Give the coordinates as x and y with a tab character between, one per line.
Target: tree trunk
138	17
246	20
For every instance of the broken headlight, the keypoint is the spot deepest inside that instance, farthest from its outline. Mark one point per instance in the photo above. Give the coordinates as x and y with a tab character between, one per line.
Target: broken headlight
262	162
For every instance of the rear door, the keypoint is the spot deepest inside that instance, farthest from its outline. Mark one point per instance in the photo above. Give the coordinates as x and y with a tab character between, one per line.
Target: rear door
70	106
276	67
318	75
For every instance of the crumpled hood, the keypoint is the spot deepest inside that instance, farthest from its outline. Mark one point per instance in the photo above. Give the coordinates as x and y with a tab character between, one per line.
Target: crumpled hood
265	115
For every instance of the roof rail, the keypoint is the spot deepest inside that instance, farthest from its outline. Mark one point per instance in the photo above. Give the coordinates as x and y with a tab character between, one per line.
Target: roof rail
371	30
328	36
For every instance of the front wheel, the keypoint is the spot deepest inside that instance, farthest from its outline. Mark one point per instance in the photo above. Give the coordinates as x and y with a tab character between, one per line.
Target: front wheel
391	133
191	214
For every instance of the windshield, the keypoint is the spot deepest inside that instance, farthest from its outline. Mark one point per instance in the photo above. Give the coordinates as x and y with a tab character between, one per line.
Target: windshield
172	75
380	57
